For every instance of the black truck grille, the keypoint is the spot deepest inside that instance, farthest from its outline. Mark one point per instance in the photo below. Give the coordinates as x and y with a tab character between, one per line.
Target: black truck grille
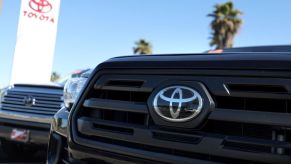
47	102
250	123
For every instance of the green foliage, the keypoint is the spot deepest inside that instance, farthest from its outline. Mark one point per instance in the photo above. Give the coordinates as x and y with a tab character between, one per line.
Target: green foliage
225	25
142	47
55	77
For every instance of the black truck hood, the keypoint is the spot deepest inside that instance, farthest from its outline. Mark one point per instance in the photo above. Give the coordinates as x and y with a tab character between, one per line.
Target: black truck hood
239	61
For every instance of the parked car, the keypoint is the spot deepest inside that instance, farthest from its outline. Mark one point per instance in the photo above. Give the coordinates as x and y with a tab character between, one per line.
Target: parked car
231	107
26	113
25	116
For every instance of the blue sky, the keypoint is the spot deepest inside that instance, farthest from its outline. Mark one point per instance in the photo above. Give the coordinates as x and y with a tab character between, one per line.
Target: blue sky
92	31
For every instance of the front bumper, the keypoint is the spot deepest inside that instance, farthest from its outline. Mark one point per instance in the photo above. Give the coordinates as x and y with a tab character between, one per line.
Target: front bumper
83	154
39	132
38	125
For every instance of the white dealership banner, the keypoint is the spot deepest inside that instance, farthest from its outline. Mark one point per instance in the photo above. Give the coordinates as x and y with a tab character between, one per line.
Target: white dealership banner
35	43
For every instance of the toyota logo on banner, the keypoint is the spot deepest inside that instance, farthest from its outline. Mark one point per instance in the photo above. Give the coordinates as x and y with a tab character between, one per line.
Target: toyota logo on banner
40	6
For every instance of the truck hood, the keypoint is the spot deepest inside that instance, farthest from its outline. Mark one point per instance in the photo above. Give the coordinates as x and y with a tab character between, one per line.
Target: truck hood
235	61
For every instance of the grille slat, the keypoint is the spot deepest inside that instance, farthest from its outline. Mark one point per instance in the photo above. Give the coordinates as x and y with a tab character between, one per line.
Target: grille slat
48	102
37	104
39	98
122	83
116	105
88	126
27	111
8	99
19	93
4	105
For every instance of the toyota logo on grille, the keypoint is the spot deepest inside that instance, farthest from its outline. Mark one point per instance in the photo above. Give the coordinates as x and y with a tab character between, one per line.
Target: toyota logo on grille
178	103
41	6
29	101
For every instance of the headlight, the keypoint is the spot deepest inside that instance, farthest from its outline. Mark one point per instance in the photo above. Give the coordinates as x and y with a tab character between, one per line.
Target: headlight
72	89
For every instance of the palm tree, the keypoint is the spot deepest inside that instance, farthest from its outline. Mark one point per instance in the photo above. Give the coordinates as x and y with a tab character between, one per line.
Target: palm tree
143	47
225	25
55	77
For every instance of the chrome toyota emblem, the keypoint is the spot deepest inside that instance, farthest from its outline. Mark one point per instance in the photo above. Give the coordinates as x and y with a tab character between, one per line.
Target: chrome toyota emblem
29	101
178	103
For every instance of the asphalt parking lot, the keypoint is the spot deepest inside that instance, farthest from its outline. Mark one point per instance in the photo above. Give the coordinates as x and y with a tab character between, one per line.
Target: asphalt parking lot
39	157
